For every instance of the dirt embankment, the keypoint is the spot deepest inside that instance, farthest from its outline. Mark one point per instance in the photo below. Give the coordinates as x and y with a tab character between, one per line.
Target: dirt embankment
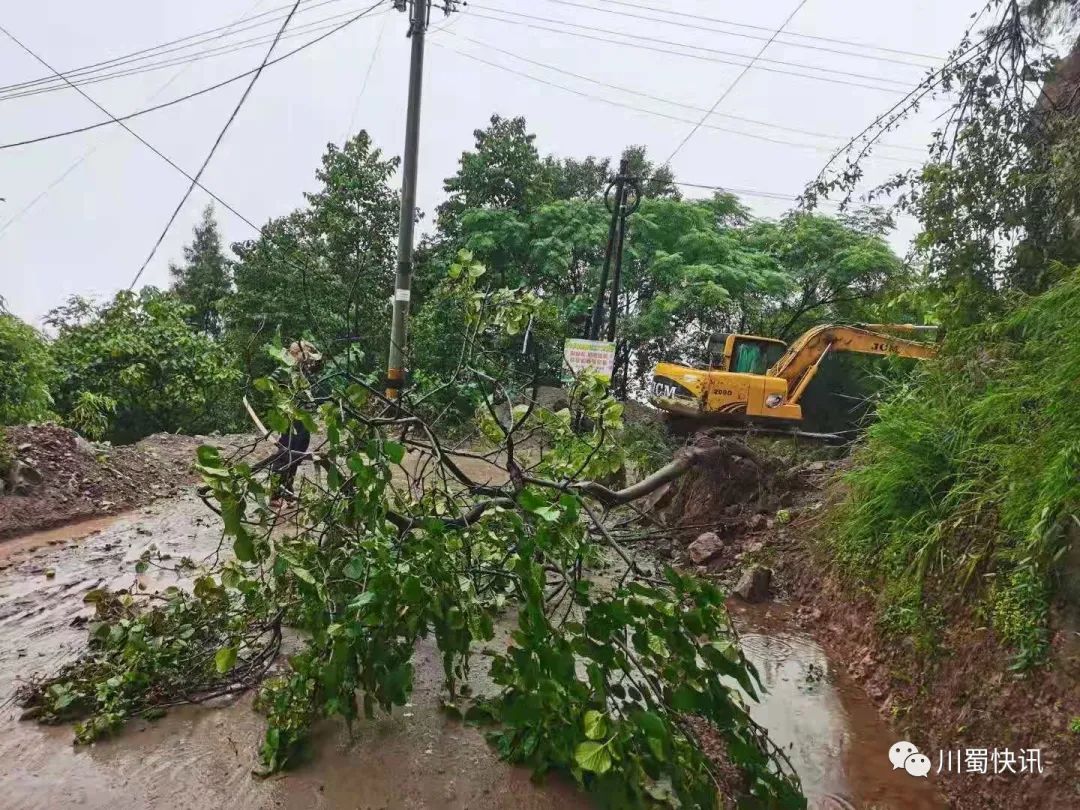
76	479
766	511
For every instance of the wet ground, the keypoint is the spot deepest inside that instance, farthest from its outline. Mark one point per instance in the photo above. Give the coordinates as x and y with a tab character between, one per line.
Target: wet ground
199	757
825	723
202	757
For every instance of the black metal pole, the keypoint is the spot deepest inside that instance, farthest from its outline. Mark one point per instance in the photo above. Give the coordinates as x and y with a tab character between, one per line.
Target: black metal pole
596	319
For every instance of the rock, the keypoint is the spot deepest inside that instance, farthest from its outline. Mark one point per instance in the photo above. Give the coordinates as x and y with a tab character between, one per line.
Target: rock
22	448
756	522
816	466
22	478
707	546
85	448
755	547
754	584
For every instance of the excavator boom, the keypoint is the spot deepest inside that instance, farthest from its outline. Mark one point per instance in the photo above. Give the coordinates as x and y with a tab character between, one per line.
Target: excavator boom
739	383
802	359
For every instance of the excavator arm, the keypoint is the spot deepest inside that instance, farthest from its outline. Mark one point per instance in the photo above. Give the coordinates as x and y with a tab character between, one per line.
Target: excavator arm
802	359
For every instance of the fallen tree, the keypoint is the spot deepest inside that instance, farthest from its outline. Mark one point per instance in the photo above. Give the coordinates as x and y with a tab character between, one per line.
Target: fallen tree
393	540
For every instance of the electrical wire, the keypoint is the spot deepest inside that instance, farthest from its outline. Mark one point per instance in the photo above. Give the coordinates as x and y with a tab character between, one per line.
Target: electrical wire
661	99
157	50
698	27
614	103
735	81
92	150
122	118
213	149
675	43
748	192
210	53
766	29
367	77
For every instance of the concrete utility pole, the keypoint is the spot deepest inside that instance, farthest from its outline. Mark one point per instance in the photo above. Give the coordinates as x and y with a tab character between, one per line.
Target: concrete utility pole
419	15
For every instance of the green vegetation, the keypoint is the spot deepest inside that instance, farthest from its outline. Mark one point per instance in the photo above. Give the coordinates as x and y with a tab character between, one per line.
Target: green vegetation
598	680
134	366
26	372
969	479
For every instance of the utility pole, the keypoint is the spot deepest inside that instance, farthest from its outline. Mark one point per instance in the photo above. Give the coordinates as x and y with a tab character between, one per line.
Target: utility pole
622	204
419	16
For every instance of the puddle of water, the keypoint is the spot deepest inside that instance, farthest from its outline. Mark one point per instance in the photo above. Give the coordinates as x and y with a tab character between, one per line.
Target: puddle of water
52	537
825	723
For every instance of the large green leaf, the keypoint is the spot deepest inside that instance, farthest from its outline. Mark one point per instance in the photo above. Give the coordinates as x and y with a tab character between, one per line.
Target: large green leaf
593	757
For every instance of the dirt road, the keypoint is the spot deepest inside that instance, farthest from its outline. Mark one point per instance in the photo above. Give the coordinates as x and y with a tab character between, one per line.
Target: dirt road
201	757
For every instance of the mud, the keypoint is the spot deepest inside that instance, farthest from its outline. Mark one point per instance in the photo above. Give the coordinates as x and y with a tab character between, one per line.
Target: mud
202	757
81	480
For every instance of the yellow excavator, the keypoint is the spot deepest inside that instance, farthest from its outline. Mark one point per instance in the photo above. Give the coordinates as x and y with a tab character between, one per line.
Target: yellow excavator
761	379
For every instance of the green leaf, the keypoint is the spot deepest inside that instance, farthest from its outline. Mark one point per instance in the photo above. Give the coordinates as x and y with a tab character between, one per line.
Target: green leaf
394	451
366	598
593	757
244	547
595	725
304	574
354	568
412	591
225	659
549	513
208	456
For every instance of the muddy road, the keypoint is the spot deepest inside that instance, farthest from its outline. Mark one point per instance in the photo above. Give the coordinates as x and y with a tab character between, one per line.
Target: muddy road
201	757
416	758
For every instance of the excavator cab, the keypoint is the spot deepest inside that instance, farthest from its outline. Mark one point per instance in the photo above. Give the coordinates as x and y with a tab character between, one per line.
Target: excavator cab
743	354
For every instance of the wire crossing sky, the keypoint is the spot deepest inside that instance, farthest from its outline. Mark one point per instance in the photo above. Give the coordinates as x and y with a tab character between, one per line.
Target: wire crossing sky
601	75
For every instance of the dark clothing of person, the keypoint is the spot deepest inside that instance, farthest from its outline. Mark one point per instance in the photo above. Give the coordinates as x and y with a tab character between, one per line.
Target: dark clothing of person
293	449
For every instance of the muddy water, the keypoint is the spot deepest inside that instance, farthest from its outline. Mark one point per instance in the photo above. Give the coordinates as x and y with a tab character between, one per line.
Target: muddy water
201	757
825	723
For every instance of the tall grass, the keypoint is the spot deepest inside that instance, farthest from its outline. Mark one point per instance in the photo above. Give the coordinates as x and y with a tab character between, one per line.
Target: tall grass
966	482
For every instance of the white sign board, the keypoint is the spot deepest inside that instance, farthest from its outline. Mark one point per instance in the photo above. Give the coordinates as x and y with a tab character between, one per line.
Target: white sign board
598	356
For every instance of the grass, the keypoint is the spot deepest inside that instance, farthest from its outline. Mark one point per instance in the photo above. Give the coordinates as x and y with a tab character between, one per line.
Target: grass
961	493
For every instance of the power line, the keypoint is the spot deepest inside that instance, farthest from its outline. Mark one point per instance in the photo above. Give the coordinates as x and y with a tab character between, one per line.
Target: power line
661	99
853	43
675	43
209	53
367	77
135	134
189	96
736	81
692	26
213	149
614	103
228	29
93	149
747	192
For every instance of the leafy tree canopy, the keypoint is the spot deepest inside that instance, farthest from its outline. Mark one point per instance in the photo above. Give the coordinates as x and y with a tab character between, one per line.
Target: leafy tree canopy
134	366
325	270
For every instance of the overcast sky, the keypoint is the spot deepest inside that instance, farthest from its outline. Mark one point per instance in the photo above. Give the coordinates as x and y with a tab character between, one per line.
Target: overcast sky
92	231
